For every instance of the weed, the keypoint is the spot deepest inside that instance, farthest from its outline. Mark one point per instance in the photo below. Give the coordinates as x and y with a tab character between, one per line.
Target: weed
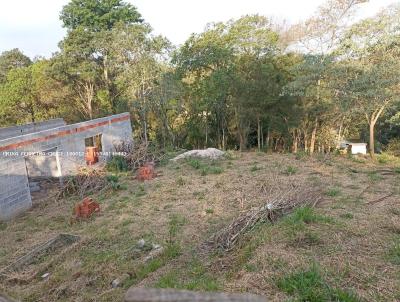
397	170
301	155
174	225
3	226
335	191
209	211
309	285
290	170
306	239
230	155
180	181
300	217
195	278
254	168
117	164
113	180
199	194
194	163
249	267
347	216
393	254
141	191
216	170
374	176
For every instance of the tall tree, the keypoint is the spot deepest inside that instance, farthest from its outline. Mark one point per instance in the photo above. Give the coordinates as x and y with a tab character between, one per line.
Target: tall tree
98	15
11	59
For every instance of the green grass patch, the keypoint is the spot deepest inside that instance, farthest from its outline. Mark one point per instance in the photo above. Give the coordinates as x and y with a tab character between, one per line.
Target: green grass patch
333	192
374	176
255	168
195	277
347	216
3	226
290	170
393	254
310	286
204	167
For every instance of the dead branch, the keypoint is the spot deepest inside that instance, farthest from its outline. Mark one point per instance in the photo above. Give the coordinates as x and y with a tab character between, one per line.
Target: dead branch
86	181
139	153
279	202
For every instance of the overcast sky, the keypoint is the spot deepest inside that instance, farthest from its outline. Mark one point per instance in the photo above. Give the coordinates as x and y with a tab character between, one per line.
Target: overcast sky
34	27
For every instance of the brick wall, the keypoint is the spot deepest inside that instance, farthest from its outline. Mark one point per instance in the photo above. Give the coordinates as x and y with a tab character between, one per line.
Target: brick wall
68	141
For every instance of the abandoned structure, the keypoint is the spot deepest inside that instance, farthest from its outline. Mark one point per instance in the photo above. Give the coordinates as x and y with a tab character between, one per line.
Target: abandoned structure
51	149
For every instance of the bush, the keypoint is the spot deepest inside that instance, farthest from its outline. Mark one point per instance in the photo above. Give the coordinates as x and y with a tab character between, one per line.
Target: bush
393	147
117	163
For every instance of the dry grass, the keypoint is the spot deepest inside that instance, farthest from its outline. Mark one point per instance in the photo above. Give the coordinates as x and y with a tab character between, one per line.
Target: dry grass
350	241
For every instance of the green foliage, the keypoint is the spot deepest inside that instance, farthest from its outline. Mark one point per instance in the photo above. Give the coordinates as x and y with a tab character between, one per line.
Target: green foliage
290	170
393	147
302	216
333	192
113	180
309	285
117	163
347	216
98	15
12	59
374	176
194	163
196	278
176	222
393	254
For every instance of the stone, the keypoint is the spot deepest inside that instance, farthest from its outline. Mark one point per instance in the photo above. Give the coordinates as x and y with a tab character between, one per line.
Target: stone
116	283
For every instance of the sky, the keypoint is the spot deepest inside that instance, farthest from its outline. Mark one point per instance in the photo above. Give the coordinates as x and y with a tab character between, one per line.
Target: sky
34	27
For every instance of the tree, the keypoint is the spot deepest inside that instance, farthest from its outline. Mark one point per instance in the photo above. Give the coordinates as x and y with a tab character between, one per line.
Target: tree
137	55
29	94
372	51
11	59
98	15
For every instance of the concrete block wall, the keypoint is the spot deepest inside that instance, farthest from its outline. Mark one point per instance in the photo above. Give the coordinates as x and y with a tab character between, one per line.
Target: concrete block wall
69	143
14	131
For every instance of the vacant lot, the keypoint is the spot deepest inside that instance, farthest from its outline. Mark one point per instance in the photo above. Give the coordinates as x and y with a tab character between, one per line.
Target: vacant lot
346	249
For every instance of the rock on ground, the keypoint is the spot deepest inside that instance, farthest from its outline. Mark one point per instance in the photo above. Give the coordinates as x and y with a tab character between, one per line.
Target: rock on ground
210	153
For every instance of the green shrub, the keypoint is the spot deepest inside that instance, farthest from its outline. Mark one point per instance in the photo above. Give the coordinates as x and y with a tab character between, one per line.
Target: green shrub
393	147
113	180
194	163
117	163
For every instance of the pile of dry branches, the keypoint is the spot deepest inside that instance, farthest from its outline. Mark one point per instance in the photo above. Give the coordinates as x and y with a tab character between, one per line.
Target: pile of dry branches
279	202
86	181
139	153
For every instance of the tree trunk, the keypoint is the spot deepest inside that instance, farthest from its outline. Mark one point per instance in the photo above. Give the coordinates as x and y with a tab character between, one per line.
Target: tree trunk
295	142
313	137
258	133
372	139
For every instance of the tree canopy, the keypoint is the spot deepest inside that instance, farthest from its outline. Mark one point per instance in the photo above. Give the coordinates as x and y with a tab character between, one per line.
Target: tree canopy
244	83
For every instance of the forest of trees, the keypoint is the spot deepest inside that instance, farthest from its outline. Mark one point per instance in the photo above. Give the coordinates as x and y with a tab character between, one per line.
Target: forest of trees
245	83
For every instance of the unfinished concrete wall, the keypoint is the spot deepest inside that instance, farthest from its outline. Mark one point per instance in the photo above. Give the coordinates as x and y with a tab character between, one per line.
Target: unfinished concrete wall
55	152
14	131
